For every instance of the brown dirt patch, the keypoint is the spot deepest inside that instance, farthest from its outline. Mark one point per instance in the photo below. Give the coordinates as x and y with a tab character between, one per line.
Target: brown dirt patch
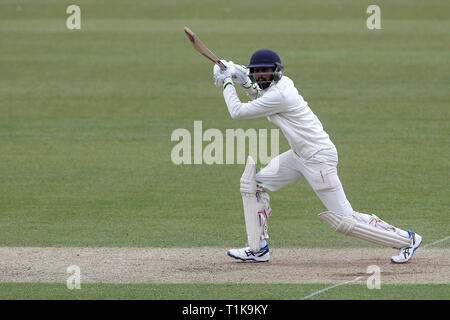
212	265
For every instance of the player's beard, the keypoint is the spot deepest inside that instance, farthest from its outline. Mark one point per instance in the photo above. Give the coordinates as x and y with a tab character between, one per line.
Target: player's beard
264	84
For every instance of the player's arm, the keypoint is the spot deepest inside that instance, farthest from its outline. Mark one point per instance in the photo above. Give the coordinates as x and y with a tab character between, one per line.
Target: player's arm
270	103
252	92
264	106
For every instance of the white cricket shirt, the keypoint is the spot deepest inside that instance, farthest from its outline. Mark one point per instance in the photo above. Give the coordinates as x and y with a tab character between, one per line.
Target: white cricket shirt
285	107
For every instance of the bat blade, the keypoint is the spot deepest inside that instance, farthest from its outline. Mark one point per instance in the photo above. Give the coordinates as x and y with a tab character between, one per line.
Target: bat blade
200	47
189	34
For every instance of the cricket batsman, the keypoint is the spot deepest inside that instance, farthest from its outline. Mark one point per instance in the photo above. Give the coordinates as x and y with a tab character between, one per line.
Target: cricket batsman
312	157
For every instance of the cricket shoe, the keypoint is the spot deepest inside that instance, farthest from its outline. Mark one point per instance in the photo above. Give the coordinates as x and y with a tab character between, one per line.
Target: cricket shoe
406	253
246	254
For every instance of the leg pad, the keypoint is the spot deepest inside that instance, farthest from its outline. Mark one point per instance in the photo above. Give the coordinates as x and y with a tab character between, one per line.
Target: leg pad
349	226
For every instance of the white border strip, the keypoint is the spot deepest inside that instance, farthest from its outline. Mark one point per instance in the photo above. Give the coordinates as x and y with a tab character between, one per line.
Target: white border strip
359	278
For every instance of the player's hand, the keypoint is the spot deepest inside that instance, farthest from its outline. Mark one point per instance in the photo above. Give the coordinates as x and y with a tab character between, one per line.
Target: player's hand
240	75
222	77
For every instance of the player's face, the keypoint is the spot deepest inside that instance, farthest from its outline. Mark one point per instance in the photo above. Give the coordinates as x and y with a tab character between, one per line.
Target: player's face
263	76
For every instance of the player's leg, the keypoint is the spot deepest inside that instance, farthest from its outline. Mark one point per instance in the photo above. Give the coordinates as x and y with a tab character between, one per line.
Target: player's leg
278	173
255	216
321	173
408	241
373	229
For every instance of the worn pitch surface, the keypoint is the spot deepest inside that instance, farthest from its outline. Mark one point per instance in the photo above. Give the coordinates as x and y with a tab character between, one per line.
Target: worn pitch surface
212	265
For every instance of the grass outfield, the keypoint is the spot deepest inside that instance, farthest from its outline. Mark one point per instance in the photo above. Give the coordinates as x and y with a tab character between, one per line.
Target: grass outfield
86	118
44	291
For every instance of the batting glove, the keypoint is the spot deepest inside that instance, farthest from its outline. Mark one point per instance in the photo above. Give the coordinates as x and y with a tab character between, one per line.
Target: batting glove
223	77
240	75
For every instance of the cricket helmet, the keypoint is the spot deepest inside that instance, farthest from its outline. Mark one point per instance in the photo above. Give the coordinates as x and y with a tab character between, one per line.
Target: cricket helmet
269	59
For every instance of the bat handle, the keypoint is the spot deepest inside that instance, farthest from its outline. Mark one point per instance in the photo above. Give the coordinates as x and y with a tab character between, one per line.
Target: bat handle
221	65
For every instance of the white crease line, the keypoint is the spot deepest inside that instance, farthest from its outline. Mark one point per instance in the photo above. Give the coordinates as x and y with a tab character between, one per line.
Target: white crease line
333	286
362	277
433	243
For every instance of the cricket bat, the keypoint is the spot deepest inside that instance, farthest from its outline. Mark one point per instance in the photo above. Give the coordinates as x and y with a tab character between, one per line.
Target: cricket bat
200	47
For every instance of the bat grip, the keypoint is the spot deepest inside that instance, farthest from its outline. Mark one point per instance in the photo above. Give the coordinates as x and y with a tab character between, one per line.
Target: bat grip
221	65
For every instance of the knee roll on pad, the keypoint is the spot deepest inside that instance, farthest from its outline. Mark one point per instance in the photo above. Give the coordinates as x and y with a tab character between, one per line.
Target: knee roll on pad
248	178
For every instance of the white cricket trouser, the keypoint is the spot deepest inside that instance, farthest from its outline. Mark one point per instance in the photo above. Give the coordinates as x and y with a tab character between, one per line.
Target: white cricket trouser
320	171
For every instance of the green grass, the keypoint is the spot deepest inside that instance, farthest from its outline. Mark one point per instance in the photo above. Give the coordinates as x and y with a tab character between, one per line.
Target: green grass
51	291
86	118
